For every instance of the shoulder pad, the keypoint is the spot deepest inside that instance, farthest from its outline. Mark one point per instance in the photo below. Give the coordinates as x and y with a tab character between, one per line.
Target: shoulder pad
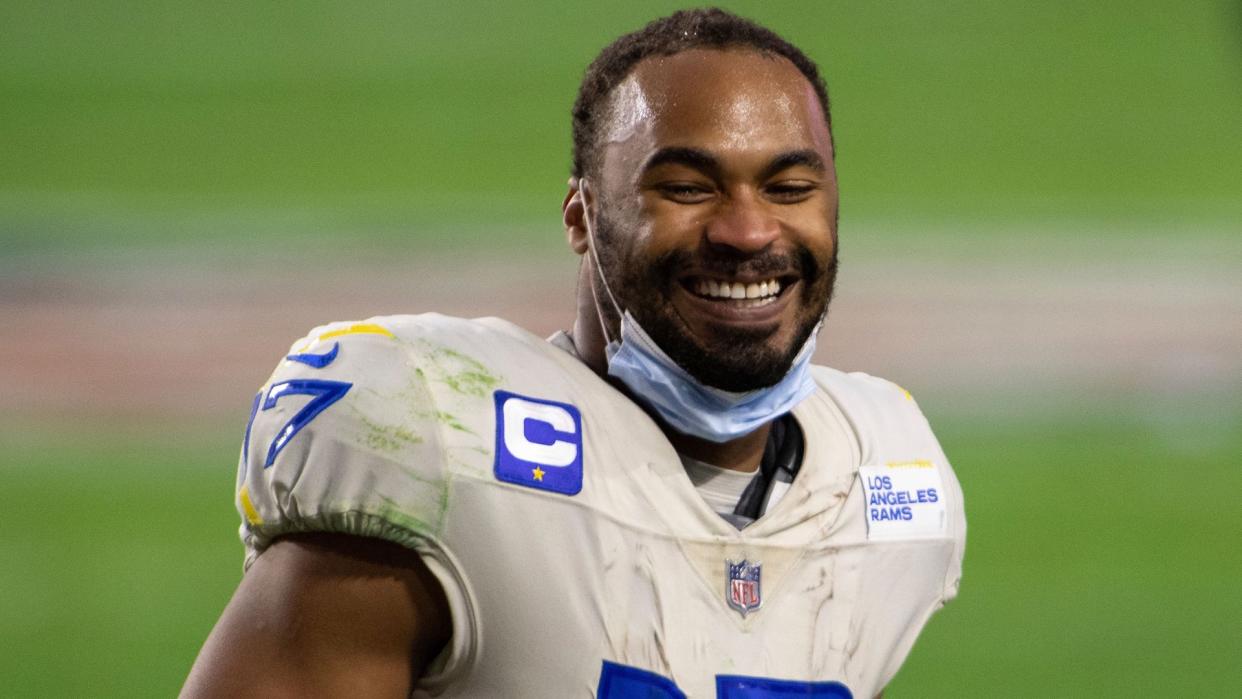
892	430
885	417
343	438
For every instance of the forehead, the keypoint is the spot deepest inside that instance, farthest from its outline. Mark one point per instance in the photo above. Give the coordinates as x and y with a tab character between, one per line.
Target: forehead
723	100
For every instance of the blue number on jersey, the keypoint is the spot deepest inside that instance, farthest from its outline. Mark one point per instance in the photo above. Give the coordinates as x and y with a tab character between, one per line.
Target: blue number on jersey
254	410
325	393
739	687
625	682
317	361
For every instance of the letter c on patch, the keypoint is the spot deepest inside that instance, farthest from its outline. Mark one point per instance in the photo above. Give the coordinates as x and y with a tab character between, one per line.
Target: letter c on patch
558	453
538	443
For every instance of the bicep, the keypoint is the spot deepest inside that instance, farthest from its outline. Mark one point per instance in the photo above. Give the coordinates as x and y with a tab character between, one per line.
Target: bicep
325	615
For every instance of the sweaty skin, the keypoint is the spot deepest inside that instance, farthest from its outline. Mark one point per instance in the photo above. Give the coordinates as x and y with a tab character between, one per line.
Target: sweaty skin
741	111
325	615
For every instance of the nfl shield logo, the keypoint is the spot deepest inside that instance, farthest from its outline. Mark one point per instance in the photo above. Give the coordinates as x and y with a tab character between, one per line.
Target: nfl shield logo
742	590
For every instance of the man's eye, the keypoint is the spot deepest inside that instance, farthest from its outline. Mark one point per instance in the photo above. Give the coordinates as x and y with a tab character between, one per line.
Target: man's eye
791	192
685	192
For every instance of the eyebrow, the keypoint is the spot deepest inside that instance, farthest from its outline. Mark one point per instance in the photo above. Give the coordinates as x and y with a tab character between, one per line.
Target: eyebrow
693	158
806	158
707	163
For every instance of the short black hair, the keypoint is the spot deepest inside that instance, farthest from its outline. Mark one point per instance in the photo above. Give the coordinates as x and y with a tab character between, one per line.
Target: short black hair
709	27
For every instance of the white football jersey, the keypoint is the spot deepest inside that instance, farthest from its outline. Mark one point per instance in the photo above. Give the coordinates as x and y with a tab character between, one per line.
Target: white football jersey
577	557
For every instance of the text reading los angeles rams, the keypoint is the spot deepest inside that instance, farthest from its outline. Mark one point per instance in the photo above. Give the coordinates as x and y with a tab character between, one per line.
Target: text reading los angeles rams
886	504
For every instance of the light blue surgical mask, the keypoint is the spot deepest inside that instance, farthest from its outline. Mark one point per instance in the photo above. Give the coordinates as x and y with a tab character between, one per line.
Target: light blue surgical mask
693	408
682	401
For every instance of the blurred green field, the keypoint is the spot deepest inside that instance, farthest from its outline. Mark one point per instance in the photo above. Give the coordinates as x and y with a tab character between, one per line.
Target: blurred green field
153	121
1092	568
1102	558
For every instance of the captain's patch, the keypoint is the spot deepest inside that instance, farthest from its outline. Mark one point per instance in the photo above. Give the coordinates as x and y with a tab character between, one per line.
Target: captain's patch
538	443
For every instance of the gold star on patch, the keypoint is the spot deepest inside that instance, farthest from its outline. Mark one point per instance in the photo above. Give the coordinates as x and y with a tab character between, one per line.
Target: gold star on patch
537	473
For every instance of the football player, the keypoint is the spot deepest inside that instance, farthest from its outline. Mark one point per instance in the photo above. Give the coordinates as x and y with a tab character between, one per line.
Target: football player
669	500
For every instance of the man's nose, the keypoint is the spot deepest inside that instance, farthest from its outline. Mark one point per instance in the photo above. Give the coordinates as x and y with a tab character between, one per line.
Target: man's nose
743	222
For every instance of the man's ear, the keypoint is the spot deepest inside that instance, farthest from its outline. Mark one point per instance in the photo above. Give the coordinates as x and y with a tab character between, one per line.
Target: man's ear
574	215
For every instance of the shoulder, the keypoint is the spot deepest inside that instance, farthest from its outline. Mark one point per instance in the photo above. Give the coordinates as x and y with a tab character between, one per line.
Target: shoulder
883	415
896	443
424	334
465	356
860	389
360	425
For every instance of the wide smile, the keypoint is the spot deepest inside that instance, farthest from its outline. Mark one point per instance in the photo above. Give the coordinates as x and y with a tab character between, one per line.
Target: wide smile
755	301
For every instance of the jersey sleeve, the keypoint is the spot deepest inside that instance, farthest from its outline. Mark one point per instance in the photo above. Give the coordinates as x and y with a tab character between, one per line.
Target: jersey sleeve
345	438
342	438
891	428
905	420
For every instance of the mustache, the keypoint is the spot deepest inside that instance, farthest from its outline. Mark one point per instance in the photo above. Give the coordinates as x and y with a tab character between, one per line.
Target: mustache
726	262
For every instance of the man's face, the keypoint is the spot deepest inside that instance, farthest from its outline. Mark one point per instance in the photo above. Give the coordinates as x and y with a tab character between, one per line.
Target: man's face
715	211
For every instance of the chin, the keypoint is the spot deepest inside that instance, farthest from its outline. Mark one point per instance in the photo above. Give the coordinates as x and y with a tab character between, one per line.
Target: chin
736	359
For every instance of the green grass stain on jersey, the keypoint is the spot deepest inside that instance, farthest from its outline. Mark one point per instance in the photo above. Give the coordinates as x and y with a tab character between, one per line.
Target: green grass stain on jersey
427	523
444	506
391	438
452	421
386	438
472	383
462	373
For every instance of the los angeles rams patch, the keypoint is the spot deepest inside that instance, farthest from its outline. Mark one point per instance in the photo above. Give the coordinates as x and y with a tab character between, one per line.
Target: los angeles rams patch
903	500
538	443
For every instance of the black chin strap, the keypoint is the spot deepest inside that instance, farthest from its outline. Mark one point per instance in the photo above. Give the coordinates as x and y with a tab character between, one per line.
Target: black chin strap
782	457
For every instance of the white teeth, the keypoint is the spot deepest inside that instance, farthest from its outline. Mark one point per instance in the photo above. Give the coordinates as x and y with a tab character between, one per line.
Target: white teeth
753	294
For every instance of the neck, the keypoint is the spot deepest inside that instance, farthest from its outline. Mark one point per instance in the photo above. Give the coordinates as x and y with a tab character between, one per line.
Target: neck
588	336
741	454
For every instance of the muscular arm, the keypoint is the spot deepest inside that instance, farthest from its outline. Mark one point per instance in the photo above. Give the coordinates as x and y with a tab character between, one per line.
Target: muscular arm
325	615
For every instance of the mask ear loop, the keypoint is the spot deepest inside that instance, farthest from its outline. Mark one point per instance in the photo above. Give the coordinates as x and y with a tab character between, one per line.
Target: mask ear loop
603	325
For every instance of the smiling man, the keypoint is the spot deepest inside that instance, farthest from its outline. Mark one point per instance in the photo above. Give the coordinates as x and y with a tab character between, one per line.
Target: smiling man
669	500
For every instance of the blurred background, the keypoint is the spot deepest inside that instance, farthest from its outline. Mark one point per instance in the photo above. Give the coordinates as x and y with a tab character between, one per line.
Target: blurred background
1041	239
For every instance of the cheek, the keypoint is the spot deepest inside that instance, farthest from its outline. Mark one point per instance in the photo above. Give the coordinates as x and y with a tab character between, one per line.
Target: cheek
668	226
817	232
826	220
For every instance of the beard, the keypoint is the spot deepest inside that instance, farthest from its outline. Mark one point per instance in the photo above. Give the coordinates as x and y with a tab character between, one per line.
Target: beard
736	359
